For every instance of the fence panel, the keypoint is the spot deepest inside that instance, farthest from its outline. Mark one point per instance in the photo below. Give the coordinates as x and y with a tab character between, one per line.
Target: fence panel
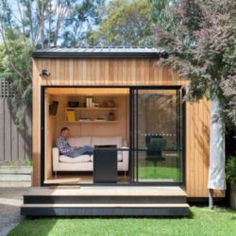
15	141
2	141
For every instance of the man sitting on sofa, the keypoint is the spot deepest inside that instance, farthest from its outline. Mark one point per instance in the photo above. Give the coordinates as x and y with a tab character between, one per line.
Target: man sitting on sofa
66	149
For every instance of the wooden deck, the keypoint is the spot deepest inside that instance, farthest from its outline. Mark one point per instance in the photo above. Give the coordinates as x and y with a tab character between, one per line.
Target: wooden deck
79	179
104	201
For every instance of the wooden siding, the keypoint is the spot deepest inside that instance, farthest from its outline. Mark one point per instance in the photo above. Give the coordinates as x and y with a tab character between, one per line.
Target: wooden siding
128	72
49	137
197	147
105	72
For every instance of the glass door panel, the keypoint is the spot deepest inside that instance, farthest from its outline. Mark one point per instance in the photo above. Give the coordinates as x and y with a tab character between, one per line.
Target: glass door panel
157	135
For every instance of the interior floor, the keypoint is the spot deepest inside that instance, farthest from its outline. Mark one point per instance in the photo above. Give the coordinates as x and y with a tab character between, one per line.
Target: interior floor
85	178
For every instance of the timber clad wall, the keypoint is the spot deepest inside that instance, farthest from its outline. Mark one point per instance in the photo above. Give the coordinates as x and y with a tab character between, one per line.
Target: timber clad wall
106	72
145	72
197	147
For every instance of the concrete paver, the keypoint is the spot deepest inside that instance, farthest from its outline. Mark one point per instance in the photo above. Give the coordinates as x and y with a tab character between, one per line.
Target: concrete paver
10	201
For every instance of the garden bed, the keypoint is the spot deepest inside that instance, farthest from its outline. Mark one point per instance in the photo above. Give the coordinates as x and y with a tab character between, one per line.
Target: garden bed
15	175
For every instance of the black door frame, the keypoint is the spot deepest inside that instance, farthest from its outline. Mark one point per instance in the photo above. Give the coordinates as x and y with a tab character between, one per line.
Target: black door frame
132	148
134	134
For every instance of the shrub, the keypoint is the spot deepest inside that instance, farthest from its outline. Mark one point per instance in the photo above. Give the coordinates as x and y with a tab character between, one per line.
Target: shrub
231	169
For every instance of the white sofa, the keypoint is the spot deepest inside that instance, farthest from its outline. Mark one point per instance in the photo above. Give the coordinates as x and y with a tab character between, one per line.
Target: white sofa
85	162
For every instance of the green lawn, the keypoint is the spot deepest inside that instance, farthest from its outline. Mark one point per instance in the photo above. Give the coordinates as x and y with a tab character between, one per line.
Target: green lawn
202	222
159	172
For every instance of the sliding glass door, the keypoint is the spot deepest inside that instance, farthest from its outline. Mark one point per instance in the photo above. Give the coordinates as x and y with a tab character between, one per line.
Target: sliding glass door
157	135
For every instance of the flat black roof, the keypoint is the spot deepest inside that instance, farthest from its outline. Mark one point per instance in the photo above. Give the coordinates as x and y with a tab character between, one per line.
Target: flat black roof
99	53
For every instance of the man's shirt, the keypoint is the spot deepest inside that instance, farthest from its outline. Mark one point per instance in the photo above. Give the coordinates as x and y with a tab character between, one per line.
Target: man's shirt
63	145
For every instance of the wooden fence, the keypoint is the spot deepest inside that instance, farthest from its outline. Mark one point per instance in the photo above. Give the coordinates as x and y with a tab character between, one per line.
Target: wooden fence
15	140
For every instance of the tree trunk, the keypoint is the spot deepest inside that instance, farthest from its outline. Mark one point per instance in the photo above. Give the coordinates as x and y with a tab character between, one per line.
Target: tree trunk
57	30
41	22
233	196
58	24
21	18
62	10
49	22
32	30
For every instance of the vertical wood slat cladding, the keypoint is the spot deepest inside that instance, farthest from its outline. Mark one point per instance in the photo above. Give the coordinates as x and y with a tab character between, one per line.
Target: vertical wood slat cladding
197	148
49	134
36	83
79	72
106	72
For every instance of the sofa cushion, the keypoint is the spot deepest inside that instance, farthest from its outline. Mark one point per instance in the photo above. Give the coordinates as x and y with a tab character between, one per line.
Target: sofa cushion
120	157
79	141
107	141
81	158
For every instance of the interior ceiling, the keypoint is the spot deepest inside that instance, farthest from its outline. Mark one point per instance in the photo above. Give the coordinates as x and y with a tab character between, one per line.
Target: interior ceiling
87	91
103	91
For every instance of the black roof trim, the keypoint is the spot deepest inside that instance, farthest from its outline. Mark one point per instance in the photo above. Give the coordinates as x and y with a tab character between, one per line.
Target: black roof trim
93	55
99	53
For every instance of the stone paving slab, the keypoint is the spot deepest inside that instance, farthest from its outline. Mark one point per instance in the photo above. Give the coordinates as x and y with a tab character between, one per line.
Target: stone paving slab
10	201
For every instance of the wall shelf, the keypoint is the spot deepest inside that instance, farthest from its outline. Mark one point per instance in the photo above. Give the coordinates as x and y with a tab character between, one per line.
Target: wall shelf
93	122
92	108
92	114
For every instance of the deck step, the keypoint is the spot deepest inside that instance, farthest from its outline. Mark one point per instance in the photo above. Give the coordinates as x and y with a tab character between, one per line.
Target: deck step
105	209
36	199
105	200
108	191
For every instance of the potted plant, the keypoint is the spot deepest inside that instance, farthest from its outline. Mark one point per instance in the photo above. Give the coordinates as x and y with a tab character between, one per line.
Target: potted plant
231	176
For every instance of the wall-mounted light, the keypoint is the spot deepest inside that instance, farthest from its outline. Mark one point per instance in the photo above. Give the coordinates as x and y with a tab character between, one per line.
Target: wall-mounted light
44	73
164	55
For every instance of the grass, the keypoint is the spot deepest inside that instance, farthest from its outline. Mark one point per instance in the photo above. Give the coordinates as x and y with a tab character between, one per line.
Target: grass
159	172
203	222
18	163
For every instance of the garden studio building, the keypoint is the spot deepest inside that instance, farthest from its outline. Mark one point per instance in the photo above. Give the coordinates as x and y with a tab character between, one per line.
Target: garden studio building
151	147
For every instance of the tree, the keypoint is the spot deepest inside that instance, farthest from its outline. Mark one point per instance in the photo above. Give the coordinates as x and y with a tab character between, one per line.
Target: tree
81	20
160	13
15	66
201	43
53	23
126	23
37	24
15	62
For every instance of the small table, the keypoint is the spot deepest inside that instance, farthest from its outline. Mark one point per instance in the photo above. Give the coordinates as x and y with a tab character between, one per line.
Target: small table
105	165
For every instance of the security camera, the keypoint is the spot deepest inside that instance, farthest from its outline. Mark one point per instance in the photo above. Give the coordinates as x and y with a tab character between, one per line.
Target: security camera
44	73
